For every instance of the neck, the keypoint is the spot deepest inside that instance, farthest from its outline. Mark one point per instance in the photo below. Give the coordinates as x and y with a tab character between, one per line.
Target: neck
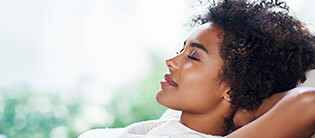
209	123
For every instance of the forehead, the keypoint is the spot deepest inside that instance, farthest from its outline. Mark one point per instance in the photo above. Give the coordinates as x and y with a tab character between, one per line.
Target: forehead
206	33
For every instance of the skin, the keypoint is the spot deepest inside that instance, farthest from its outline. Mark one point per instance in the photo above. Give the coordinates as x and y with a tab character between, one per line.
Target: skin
201	98
198	93
285	115
243	117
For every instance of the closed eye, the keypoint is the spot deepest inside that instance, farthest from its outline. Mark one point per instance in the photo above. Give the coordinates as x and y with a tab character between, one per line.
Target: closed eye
191	56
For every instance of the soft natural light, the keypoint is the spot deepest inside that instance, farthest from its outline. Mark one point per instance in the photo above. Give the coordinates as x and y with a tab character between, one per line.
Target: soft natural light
62	44
85	59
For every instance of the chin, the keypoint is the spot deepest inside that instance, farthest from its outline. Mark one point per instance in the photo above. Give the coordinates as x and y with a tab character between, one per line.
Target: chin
158	97
164	101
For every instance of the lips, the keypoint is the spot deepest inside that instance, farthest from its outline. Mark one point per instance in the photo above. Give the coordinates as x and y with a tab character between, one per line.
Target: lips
168	80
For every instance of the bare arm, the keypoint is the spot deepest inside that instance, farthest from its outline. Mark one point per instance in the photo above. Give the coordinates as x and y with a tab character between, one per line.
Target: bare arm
243	117
293	116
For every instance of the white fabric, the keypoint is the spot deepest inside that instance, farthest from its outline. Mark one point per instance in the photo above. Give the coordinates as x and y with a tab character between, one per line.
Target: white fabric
148	129
171	114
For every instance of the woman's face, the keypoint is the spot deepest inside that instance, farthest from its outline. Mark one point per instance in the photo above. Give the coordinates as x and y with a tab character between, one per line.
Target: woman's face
192	83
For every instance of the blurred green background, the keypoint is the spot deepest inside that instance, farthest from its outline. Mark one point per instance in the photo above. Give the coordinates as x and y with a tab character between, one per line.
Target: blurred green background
26	113
68	66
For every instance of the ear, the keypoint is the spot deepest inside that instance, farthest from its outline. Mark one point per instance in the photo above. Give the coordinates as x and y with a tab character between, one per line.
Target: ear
226	95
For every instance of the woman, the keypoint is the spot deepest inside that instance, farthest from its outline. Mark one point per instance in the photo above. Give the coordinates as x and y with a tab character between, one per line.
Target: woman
242	53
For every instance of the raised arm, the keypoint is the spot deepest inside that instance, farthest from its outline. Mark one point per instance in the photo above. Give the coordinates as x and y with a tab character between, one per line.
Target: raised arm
292	117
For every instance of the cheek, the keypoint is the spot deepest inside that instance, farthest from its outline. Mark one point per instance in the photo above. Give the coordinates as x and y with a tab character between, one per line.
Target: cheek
199	77
200	87
201	99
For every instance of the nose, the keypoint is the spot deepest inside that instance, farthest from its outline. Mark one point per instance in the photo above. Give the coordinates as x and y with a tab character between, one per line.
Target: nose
172	64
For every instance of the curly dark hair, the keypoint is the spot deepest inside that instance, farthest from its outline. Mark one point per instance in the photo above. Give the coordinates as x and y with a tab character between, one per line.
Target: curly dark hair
264	49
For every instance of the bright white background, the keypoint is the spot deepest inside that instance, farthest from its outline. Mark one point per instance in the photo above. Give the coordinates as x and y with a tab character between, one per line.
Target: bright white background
93	45
86	49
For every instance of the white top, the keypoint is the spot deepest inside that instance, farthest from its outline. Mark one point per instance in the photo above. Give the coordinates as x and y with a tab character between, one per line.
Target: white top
148	129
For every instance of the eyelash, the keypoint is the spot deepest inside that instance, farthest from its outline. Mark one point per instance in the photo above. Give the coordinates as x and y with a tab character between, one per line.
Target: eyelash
193	58
189	56
180	51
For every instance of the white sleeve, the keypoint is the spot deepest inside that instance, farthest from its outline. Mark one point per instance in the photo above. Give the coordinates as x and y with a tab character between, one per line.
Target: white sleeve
195	135
103	133
171	114
136	130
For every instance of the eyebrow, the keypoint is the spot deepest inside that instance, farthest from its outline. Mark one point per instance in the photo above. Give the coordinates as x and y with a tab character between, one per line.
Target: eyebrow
194	44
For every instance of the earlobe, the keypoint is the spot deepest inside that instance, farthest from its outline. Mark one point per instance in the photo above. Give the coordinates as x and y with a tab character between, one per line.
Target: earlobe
226	95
